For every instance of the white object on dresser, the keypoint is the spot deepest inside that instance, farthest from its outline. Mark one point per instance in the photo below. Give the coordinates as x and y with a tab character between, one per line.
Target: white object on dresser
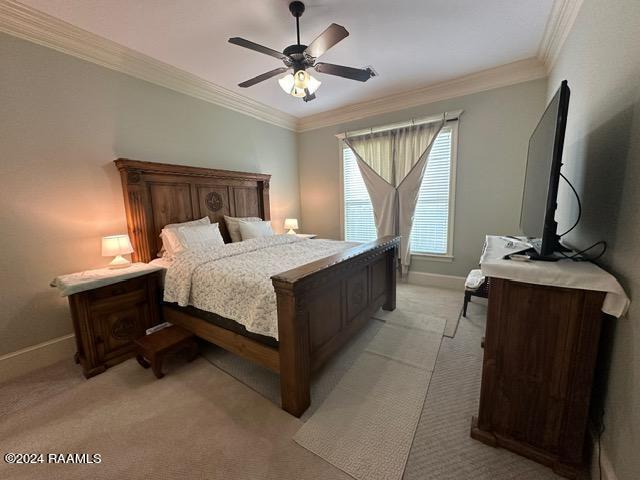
563	273
306	235
90	279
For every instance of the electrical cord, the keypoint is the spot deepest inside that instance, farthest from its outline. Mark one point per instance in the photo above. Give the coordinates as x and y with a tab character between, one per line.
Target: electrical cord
579	205
578	257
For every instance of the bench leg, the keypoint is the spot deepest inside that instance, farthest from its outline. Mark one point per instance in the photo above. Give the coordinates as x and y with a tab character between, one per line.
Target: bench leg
142	361
467	299
156	366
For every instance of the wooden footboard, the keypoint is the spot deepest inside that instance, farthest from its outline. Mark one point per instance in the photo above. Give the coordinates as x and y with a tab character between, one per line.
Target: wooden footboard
323	304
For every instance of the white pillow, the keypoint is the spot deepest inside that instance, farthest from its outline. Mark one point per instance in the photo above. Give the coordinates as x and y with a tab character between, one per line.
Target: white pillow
169	238
233	226
255	229
199	236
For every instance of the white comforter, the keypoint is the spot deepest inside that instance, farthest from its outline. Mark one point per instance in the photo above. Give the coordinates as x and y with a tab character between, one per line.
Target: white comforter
234	280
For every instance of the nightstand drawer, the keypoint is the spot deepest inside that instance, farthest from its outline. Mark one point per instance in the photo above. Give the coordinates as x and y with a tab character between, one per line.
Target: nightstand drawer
120	301
117	289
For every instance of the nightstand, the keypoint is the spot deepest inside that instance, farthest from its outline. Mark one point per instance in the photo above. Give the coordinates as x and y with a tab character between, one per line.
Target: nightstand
307	235
110	309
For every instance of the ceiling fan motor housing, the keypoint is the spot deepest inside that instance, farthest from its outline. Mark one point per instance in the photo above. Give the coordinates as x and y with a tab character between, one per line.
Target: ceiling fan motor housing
296	9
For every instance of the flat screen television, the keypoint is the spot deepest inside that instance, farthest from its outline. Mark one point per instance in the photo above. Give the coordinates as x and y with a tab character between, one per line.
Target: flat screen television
544	160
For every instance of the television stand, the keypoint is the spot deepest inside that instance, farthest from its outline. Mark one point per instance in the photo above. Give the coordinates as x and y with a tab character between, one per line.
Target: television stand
540	349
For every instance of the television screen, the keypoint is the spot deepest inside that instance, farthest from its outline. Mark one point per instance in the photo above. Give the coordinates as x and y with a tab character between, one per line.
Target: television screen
544	160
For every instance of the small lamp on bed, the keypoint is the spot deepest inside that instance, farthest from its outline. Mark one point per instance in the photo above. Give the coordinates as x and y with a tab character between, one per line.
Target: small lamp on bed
291	224
116	246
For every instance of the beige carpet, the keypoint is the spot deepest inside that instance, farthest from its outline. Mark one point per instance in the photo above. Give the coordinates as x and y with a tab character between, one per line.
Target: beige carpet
200	423
196	423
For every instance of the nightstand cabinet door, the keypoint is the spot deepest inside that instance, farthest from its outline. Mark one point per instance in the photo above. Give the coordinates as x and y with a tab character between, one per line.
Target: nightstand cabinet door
108	319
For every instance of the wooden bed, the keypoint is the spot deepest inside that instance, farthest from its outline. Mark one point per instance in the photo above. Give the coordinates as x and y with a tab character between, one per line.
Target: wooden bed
320	305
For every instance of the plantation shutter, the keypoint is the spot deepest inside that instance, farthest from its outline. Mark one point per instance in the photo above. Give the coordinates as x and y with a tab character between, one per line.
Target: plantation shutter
430	232
358	212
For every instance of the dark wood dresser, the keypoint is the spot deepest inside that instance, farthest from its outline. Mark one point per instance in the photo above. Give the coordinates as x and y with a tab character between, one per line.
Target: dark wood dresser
108	319
540	351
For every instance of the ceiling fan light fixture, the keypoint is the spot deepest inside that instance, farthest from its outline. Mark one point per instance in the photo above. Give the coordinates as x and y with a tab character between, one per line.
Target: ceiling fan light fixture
299	84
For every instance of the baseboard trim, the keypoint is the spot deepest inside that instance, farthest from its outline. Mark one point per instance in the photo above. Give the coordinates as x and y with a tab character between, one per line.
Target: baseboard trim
37	356
436	280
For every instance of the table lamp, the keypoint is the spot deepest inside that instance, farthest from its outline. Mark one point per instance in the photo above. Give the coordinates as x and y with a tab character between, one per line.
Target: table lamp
291	224
116	246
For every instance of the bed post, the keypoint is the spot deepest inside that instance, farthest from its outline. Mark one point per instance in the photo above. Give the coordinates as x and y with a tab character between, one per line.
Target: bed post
295	361
392	266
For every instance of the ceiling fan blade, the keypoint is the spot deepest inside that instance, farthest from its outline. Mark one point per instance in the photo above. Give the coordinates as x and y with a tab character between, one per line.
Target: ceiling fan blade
263	77
327	39
256	47
359	74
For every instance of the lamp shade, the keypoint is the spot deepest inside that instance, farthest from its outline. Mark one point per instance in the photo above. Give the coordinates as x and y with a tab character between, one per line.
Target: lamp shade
114	245
291	223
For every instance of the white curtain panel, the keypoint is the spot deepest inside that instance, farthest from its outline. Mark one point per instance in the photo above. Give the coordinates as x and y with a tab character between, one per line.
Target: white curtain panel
392	164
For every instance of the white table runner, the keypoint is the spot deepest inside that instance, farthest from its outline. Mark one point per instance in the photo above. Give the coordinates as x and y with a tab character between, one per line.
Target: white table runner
563	273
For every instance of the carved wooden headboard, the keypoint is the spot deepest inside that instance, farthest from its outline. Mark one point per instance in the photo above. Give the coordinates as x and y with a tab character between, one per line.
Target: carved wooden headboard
156	194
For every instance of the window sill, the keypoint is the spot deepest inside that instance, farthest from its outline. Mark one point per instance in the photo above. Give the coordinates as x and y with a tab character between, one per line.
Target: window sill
432	257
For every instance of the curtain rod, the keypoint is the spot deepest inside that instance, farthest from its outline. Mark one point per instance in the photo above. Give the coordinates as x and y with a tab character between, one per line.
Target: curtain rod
449	117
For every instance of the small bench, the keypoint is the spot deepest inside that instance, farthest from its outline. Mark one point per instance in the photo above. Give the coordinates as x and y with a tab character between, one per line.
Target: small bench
152	349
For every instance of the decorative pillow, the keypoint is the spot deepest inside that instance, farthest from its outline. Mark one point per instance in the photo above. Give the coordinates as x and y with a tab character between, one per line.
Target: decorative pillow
255	229
199	236
233	226
169	235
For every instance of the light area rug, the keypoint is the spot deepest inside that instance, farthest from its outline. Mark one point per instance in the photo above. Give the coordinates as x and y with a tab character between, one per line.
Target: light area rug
366	425
442	448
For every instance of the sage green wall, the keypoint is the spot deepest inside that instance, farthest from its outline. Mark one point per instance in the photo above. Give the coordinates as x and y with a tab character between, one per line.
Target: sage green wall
62	123
601	61
494	131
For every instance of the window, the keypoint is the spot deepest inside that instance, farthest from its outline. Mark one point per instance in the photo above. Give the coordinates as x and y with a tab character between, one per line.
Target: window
359	225
431	233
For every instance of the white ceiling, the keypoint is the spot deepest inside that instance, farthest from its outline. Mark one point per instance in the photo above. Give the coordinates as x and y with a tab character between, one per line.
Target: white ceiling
410	43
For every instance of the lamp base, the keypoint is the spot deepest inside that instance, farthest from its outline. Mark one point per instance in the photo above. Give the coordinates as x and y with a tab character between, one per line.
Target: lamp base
291	232
119	262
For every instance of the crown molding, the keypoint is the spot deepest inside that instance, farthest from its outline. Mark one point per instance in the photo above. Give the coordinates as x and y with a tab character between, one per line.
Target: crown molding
30	24
561	19
501	76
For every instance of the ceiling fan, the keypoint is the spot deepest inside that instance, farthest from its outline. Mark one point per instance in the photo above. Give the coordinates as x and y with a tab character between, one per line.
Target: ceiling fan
299	57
